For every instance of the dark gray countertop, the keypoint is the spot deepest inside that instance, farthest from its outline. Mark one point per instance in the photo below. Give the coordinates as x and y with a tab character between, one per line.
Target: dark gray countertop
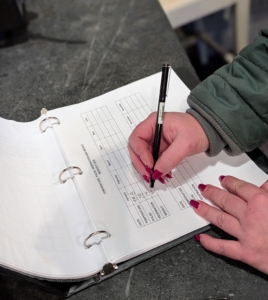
81	49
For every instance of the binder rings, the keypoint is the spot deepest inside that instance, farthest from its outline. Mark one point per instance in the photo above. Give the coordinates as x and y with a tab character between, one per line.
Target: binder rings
74	209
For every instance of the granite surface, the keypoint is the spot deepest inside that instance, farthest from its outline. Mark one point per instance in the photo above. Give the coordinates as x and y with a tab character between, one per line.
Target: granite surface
81	49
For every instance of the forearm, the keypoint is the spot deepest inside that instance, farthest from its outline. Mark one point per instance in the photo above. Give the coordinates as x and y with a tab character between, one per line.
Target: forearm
234	101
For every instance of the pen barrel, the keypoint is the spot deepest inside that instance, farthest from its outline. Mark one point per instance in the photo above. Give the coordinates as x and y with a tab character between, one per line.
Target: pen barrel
160	115
160	111
157	139
164	83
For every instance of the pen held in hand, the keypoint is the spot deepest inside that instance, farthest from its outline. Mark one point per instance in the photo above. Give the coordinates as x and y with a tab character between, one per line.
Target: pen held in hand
160	115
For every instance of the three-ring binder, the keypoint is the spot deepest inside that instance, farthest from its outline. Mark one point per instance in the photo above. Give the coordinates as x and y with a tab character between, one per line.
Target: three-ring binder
107	235
109	267
48	118
80	172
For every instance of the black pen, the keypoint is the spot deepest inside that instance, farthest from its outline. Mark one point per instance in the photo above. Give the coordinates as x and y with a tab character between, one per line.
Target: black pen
160	115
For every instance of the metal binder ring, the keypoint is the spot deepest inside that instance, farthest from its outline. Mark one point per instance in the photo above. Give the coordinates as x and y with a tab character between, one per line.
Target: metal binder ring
95	233
80	172
48	118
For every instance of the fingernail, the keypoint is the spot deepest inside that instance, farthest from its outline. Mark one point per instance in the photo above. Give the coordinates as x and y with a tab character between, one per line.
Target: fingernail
149	170
162	180
194	203
156	174
146	178
202	187
221	178
197	237
169	175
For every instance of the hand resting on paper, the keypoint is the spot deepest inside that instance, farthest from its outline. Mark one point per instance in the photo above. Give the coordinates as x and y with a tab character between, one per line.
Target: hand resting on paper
243	214
182	136
231	107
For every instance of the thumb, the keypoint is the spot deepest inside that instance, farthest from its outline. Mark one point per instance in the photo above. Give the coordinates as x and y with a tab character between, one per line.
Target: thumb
170	158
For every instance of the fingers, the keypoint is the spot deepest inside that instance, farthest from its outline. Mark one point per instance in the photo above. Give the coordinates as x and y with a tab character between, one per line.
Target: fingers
182	136
227	248
224	200
170	158
139	165
141	160
140	143
219	218
242	189
140	149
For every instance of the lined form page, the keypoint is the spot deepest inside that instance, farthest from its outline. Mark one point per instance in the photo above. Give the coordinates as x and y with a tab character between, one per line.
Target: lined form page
94	135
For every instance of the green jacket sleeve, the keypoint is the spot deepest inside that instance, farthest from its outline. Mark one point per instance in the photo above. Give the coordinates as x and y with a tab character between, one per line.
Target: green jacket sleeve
232	104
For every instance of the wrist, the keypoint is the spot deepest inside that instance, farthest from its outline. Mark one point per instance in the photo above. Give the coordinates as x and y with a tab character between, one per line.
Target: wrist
215	143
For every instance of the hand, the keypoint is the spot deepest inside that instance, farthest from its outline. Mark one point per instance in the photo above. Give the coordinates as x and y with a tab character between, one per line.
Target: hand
182	136
244	215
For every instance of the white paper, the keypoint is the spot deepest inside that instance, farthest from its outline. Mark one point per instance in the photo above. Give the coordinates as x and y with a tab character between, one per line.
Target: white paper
94	135
43	223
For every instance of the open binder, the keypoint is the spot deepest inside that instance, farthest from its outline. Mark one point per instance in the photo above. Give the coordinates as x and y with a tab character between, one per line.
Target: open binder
96	217
69	173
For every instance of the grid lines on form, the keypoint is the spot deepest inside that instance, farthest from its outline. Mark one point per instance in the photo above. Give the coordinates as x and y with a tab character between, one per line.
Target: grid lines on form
29	211
184	184
145	207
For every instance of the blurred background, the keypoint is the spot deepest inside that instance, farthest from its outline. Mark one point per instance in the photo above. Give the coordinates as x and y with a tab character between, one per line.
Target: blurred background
214	31
211	31
13	22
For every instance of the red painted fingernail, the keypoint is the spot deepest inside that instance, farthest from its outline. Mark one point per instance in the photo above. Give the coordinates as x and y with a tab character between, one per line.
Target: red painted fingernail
169	175
197	237
202	187
146	178
156	174
194	203
221	178
162	180
149	170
